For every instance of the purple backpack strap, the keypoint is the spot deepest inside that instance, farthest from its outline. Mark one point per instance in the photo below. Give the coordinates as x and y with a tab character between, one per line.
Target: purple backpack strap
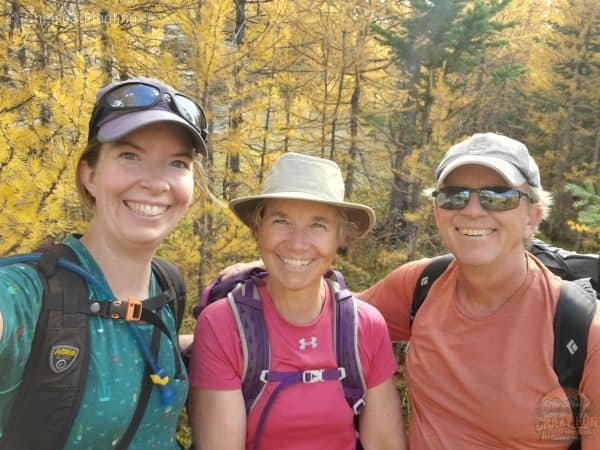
346	341
218	288
247	310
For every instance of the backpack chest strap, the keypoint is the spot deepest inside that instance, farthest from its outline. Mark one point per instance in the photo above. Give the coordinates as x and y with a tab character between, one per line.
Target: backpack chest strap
304	376
288	379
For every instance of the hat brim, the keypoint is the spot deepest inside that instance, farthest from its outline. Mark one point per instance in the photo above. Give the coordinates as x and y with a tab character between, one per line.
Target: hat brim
506	170
360	215
120	126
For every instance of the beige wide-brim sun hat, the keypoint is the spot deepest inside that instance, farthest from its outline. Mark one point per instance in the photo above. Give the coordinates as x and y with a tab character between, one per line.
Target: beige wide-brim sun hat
295	176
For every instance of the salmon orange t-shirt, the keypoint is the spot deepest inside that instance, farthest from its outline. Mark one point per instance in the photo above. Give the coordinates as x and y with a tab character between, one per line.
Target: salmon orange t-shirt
486	383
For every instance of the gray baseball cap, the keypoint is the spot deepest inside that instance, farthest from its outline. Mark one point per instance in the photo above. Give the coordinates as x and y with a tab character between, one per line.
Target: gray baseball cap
509	157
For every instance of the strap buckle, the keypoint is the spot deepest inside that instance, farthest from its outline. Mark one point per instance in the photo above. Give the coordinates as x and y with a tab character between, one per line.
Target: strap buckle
312	376
358	406
264	376
130	309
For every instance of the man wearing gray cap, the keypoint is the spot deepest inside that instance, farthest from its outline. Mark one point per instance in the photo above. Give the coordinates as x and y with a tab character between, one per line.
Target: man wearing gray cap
480	359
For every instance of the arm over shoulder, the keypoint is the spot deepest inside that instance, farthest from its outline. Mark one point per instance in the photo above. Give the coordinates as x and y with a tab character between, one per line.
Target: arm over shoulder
393	296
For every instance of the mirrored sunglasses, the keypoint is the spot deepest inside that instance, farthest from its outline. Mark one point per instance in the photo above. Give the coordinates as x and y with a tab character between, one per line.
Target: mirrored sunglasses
136	95
492	198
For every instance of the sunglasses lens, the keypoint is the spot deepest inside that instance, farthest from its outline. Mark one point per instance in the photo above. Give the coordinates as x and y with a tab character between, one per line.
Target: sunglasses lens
132	96
191	112
499	199
490	199
452	198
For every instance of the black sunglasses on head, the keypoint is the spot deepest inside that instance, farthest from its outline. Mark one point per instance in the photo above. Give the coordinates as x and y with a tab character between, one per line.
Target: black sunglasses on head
137	95
491	198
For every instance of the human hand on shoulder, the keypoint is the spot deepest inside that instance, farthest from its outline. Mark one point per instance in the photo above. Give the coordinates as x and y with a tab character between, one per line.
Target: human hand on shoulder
237	268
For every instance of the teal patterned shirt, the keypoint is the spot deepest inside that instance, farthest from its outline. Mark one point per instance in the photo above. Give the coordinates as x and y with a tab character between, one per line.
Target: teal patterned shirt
115	370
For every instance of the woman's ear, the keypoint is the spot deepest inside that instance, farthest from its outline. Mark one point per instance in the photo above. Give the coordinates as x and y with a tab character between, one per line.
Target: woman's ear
86	175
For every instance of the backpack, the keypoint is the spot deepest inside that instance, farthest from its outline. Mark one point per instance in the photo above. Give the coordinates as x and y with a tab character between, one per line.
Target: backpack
245	302
55	373
568	265
575	310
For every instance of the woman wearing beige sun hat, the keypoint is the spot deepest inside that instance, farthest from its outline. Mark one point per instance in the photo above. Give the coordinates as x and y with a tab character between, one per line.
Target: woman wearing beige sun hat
299	221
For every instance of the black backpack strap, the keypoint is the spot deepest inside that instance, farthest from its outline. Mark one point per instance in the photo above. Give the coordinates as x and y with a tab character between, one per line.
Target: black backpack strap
430	273
575	311
170	280
143	399
173	294
54	378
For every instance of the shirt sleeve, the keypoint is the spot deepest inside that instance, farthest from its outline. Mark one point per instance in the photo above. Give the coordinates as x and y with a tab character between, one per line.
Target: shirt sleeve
375	348
393	296
217	359
20	303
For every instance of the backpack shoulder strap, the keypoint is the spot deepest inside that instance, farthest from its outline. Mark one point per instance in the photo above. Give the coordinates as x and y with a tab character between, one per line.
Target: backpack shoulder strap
572	319
574	313
430	273
170	280
54	377
345	328
246	305
551	258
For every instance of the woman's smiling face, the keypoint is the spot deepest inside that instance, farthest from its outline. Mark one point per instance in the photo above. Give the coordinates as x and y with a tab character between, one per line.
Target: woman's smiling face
298	241
142	184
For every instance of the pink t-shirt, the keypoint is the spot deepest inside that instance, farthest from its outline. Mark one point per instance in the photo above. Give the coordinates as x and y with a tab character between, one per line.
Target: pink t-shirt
304	416
486	383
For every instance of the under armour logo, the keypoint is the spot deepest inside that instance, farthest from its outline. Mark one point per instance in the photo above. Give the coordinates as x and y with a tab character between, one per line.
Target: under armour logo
572	347
304	343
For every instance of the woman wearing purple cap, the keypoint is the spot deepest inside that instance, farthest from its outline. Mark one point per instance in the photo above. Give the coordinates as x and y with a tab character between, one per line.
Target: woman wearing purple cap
136	176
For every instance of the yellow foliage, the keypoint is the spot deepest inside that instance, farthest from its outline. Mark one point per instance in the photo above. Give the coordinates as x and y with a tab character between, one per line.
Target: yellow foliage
578	227
286	81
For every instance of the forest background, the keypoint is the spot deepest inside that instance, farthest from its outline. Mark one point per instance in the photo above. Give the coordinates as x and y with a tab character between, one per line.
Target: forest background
383	87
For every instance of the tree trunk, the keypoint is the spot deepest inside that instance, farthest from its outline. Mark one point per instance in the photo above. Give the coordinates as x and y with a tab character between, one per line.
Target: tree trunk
236	117
354	111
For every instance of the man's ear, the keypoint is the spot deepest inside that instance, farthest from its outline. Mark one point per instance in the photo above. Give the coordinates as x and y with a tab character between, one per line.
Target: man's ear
535	214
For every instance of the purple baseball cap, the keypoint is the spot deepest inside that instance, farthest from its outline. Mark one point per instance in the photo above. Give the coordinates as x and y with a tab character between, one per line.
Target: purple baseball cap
509	157
109	123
